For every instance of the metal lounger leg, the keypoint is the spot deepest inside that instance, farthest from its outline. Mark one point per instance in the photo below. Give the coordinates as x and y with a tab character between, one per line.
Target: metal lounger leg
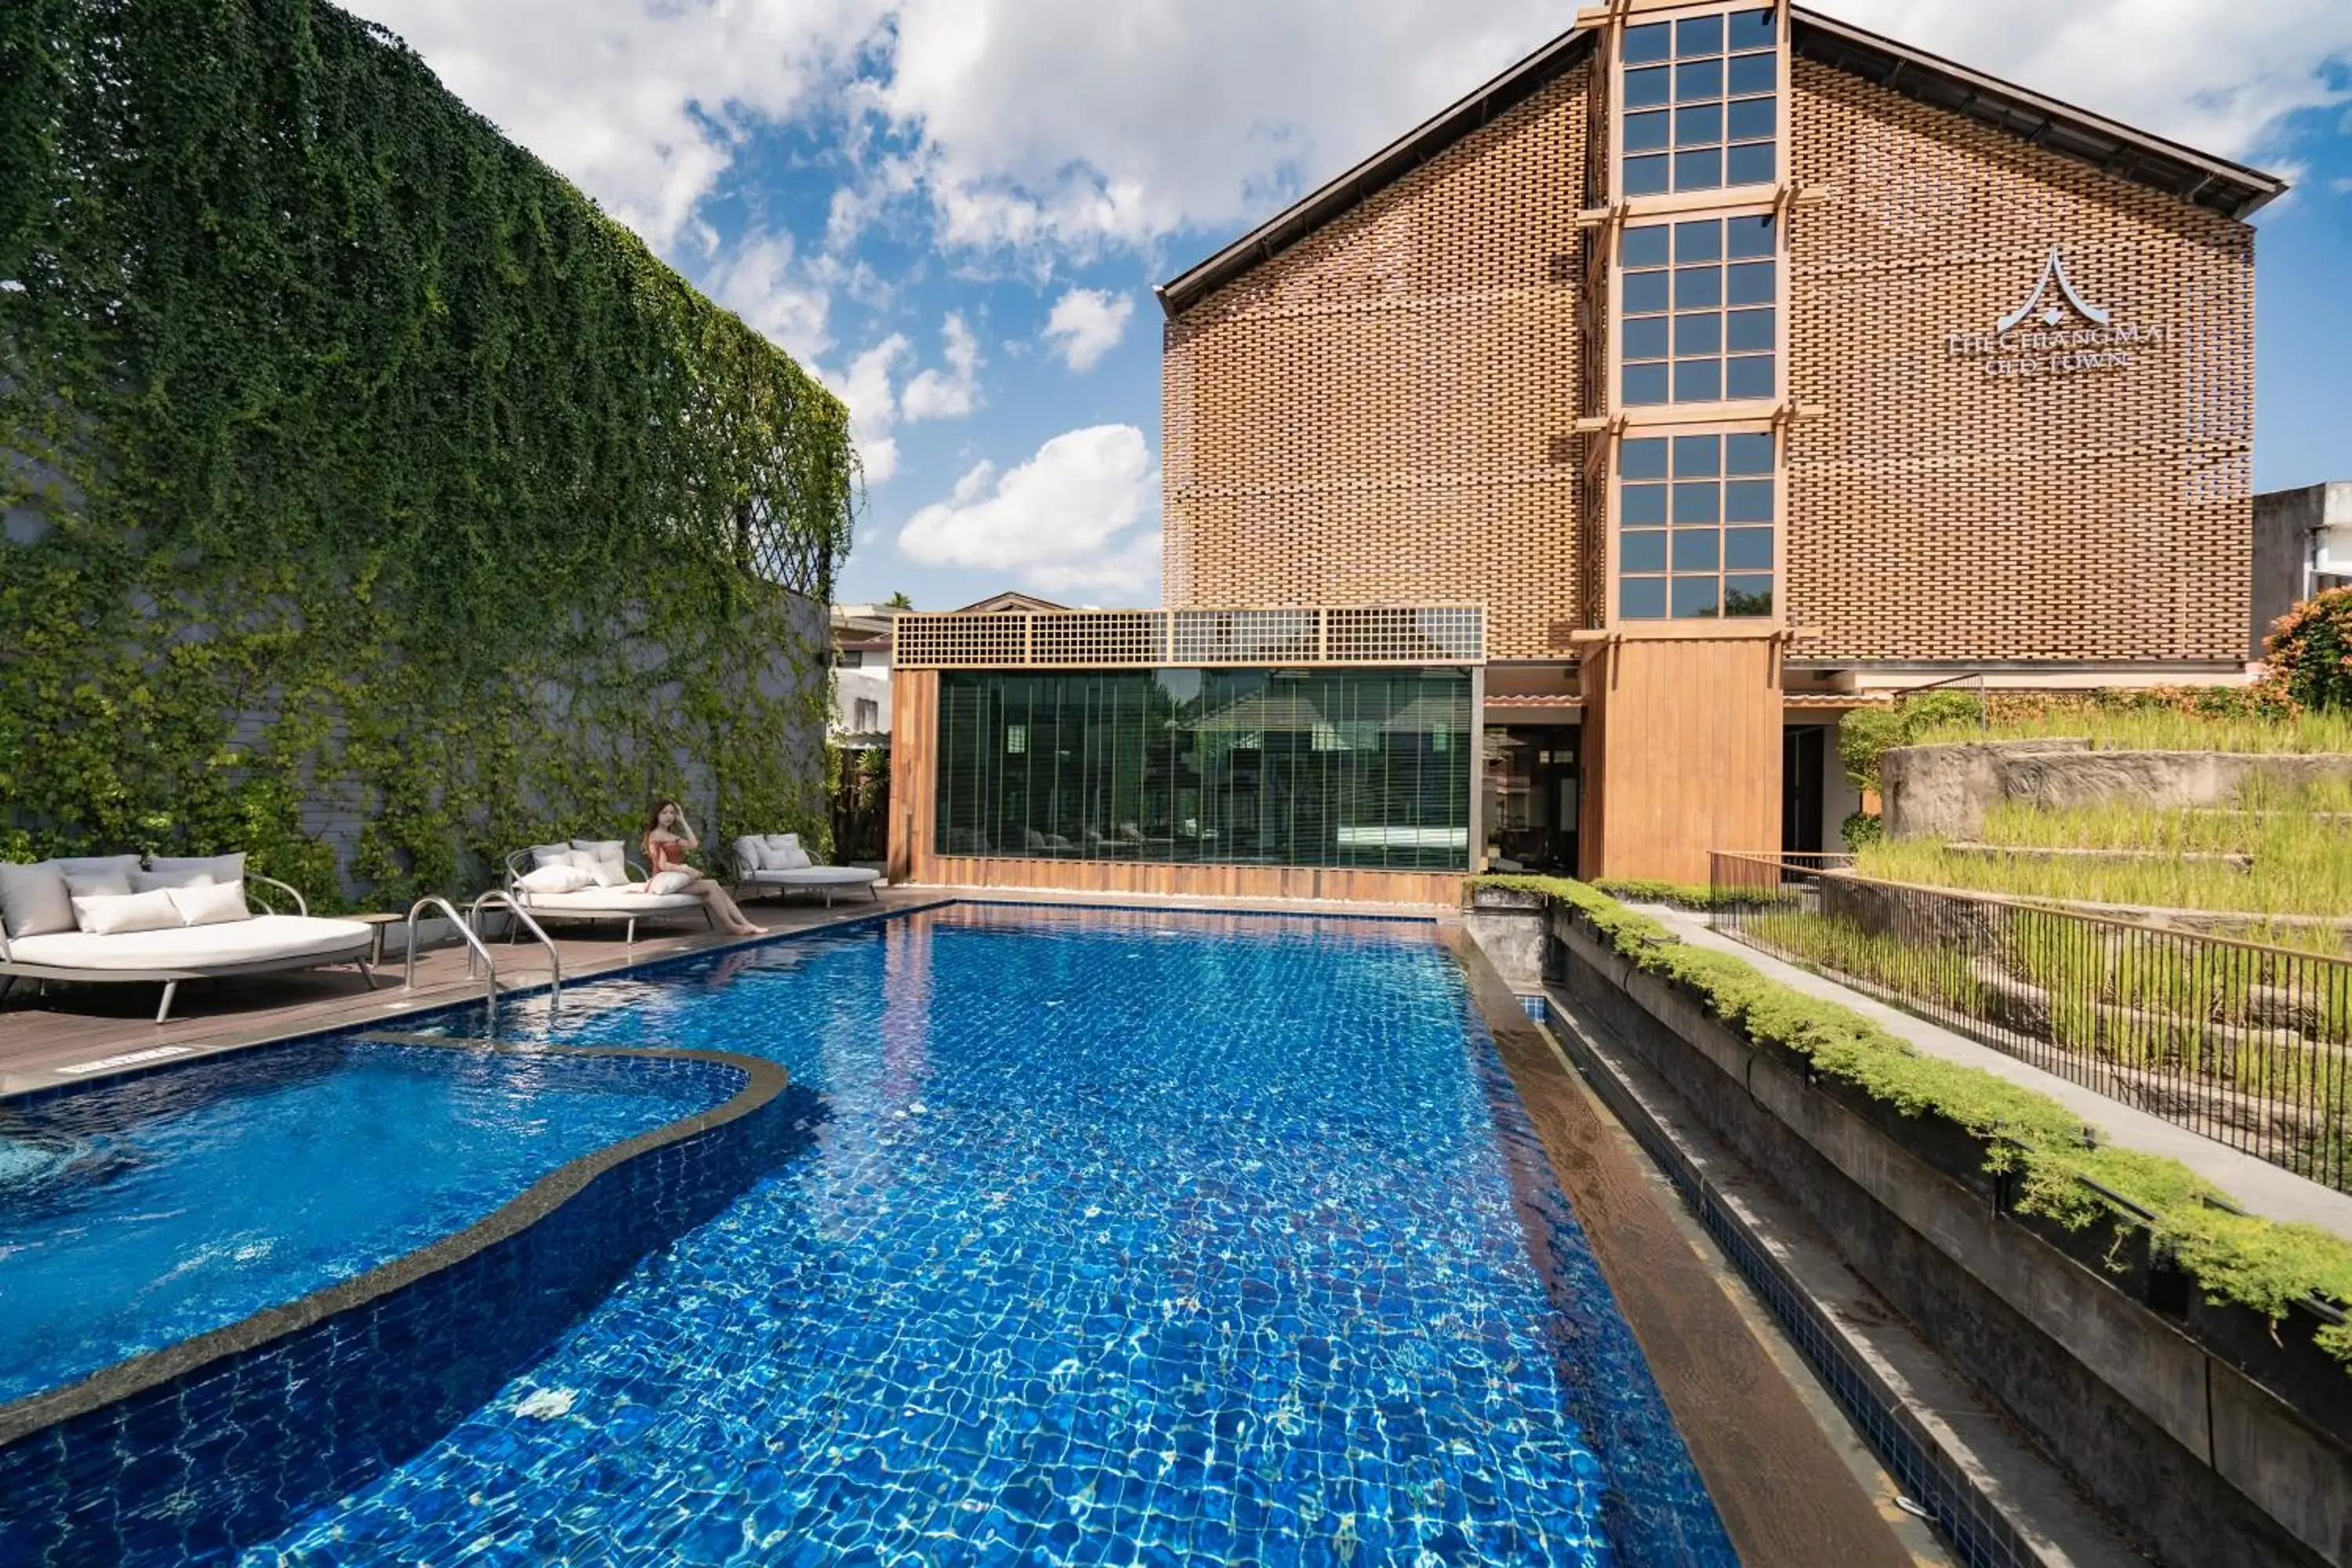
629	938
163	1011
366	974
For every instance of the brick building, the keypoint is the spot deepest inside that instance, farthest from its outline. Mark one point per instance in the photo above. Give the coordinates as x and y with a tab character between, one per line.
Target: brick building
1725	367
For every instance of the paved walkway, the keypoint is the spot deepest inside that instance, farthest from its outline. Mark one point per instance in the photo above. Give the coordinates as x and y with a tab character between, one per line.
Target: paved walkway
2256	1186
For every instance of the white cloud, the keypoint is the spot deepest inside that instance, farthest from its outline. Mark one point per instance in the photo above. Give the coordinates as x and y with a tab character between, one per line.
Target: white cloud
761	280
1065	520
954	392
873	405
641	102
1086	324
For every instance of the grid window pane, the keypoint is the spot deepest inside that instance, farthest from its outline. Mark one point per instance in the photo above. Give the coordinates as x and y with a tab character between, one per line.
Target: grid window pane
1649	177
1747	598
1752	165
1649	44
1642	599
1643	459
1696	81
1717	559
1699	126
1648	132
1749	331
1256	766
1698	35
1752	30
1747	375
1748	549
1698	381
1695	598
1724	78
1745	455
1706	268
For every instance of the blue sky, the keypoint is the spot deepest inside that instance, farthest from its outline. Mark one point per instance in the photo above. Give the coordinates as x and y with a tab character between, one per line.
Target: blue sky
954	210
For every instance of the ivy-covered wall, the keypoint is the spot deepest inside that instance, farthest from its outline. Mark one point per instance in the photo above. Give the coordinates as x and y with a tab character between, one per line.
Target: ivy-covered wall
372	503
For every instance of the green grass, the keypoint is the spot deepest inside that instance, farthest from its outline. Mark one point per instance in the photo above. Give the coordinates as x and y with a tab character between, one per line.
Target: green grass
2302	867
2253	1262
2145	722
1688	895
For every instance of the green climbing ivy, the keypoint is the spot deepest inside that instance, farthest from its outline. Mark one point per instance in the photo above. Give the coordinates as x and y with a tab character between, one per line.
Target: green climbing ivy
358	469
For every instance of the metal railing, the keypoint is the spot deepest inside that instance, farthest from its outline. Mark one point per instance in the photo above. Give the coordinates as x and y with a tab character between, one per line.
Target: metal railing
475	950
520	918
2249	1044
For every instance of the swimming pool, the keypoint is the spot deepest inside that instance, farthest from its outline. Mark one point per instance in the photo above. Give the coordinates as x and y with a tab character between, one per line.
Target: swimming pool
1113	1237
139	1214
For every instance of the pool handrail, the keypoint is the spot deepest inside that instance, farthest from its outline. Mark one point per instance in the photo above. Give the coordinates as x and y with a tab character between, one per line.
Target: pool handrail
408	976
498	898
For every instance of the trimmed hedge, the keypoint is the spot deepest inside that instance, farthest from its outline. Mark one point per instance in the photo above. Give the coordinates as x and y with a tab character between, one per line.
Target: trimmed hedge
2238	1258
1686	895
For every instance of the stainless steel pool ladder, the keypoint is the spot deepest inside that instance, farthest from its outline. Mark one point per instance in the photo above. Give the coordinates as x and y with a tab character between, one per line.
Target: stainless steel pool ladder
475	949
498	899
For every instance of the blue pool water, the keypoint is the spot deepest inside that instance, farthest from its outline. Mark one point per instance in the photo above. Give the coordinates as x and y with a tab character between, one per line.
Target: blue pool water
139	1214
1122	1238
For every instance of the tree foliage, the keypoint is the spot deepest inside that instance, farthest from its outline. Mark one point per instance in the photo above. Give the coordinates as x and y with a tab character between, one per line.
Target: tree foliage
2310	652
355	463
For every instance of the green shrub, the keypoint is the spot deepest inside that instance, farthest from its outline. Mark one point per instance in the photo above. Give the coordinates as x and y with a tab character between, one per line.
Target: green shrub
2310	652
1688	895
1862	827
1868	734
2065	1171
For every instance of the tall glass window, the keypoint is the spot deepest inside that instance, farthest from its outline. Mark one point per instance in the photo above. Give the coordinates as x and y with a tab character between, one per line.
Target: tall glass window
1701	103
1695	528
1270	767
1698	315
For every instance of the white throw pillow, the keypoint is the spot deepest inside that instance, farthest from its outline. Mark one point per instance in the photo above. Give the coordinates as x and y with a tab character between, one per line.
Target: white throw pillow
669	881
210	903
793	860
751	853
545	855
605	861
118	914
558	878
776	851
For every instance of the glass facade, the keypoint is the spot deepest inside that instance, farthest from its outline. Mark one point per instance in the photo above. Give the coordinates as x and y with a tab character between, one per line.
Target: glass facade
1698	315
1702	107
1368	768
1695	528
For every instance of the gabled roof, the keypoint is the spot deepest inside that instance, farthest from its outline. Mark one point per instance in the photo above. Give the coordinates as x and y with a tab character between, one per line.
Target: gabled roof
999	603
2177	171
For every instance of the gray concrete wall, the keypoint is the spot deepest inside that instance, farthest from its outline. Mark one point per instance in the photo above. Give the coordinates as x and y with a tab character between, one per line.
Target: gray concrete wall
2285	522
1942	791
2202	1463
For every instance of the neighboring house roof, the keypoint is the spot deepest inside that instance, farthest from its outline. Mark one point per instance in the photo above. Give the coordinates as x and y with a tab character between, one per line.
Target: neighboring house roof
1001	602
2168	166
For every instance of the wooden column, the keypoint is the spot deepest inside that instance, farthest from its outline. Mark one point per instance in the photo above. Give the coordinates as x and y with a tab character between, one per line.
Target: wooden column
1682	755
914	772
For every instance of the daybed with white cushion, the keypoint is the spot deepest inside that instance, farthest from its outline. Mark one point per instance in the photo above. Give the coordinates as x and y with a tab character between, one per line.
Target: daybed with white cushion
109	919
592	880
777	861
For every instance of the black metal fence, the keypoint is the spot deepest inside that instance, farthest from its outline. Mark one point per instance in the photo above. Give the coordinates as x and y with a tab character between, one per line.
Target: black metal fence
2248	1044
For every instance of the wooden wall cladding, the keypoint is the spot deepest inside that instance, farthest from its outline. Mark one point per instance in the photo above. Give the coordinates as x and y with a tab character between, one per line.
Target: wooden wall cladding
1939	512
914	769
1384	413
1682	755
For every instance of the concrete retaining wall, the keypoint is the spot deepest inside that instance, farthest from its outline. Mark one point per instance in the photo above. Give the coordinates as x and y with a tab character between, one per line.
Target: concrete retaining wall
2195	1457
1943	792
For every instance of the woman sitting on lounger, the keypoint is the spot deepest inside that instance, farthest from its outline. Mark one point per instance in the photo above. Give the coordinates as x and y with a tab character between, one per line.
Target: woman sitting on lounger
668	837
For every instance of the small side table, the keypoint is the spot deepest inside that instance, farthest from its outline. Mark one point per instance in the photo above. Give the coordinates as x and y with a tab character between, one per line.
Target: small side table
376	924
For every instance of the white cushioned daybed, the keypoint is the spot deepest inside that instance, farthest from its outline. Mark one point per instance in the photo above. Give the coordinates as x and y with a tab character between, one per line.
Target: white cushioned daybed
776	861
100	918
592	880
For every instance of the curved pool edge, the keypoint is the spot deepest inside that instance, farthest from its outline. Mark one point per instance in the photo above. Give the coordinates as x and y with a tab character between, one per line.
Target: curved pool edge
761	1081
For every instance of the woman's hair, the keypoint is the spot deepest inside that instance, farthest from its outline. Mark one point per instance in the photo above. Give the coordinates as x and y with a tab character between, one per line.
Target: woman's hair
652	815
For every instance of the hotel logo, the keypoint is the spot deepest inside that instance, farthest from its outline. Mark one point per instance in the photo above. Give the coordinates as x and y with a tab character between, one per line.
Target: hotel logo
2056	331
